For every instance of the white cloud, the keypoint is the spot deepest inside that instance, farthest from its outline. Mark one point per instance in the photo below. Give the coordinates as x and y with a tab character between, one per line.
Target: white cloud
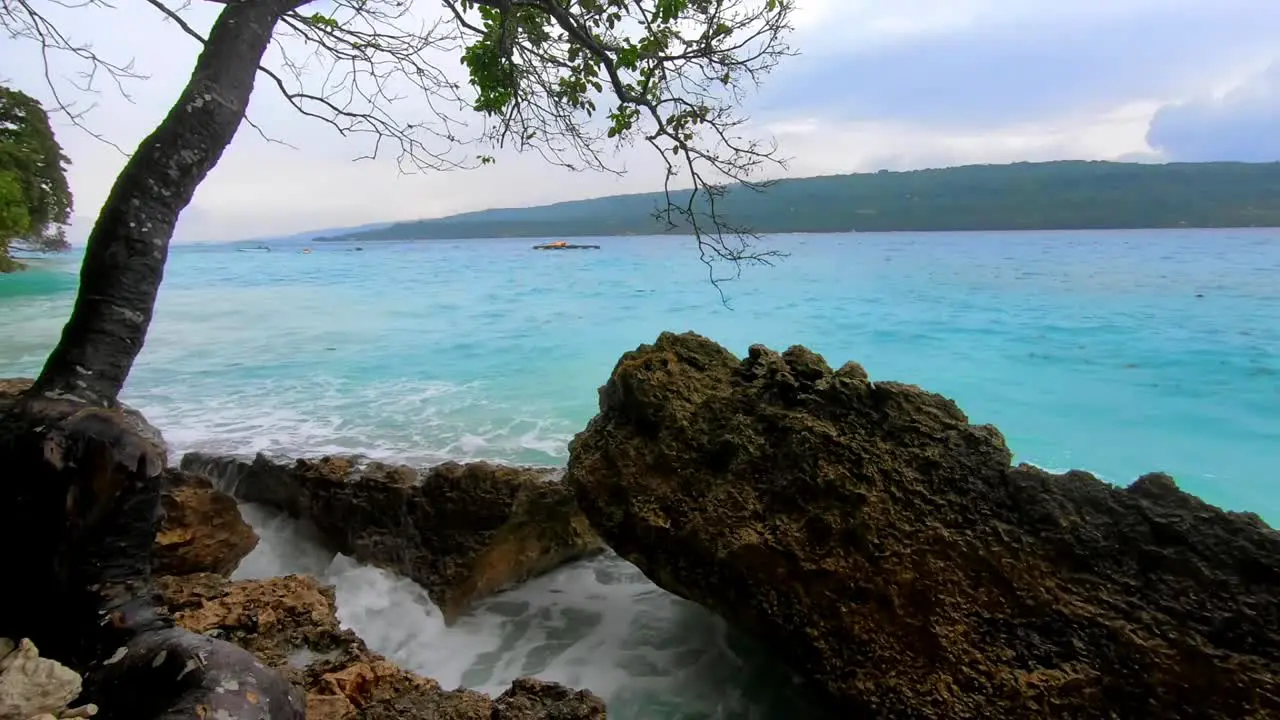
825	147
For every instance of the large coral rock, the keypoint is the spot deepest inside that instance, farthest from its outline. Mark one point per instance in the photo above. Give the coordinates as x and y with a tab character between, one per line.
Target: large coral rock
885	546
290	624
202	530
462	531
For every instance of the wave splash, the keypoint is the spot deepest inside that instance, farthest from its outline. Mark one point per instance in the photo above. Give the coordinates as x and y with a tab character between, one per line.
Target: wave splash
596	624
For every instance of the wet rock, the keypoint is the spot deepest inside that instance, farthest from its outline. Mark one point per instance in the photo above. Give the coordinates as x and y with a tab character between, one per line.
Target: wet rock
202	530
532	698
82	494
462	531
273	619
885	547
289	623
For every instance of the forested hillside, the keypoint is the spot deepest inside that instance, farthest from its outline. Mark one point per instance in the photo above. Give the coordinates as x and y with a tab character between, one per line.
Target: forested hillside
1021	196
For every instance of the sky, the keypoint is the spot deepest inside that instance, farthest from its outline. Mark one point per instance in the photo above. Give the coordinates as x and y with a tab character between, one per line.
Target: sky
877	84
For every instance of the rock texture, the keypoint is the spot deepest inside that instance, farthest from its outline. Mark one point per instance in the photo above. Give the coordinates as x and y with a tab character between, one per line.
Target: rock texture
885	546
289	623
35	688
462	531
202	530
81	494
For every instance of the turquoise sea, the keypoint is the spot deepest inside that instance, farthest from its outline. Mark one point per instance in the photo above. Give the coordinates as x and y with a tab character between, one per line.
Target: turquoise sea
1116	352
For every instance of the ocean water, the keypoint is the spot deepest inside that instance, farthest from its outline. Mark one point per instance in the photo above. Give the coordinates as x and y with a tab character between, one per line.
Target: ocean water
1115	352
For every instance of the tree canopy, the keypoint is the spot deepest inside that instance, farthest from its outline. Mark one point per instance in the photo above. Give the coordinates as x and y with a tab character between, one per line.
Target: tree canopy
35	200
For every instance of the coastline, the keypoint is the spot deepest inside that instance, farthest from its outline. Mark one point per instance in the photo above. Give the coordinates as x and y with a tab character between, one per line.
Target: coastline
394	375
1078	496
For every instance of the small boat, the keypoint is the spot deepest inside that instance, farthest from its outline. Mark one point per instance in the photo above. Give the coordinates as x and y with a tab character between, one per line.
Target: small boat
564	245
260	248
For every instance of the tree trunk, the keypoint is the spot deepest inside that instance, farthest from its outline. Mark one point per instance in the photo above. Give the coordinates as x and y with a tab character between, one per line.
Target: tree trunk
80	477
126	253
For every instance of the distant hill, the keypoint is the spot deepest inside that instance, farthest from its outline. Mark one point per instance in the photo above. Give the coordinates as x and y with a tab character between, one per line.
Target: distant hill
316	234
1022	196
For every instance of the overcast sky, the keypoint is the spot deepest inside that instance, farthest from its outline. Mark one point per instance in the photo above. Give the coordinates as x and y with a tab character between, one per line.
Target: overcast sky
893	84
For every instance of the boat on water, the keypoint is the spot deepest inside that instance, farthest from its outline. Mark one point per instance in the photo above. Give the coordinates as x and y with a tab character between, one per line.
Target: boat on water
260	248
564	245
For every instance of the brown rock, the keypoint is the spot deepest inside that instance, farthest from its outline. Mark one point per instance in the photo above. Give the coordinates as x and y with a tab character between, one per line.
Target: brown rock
462	531
12	387
202	530
274	619
533	698
329	707
885	546
289	623
81	492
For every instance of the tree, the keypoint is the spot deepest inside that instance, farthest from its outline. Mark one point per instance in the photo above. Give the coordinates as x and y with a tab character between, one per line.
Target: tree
35	200
564	78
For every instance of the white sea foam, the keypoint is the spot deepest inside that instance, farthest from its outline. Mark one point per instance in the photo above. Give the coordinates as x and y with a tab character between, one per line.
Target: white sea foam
598	624
404	420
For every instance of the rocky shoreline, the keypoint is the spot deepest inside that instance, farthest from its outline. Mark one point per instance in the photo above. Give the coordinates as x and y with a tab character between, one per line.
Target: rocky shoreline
888	550
866	532
460	530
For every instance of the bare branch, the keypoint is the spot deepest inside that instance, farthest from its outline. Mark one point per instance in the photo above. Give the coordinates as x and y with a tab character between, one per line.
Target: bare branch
22	21
173	16
676	74
572	80
370	70
672	74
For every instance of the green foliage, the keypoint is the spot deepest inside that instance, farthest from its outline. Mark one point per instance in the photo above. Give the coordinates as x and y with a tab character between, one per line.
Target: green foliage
669	71
14	219
1022	196
321	21
35	199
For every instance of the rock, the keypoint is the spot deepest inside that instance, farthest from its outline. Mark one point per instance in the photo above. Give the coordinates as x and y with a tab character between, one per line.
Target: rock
202	530
82	494
885	547
13	387
272	618
532	698
462	531
31	686
289	623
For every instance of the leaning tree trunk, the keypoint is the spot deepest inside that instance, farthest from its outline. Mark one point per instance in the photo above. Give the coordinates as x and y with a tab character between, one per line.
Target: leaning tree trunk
80	477
125	257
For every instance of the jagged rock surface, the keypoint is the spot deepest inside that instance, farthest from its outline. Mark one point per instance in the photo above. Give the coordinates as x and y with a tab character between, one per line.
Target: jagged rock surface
202	530
462	531
82	490
289	623
884	545
32	686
